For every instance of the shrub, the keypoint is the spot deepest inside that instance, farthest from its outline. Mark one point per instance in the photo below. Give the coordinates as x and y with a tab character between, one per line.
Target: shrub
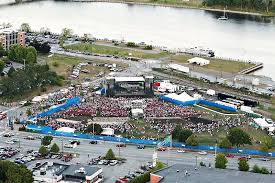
148	47
192	140
243	165
264	170
256	169
110	155
54	148
43	151
220	161
131	44
225	143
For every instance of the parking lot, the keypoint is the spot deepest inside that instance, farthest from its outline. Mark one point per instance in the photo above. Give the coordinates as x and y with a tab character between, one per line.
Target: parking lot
135	157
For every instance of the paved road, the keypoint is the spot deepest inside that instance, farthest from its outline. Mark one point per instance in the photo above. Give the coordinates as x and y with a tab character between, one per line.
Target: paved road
135	157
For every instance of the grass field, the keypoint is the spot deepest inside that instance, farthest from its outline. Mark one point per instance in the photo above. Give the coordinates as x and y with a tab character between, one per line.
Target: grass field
63	65
216	64
111	50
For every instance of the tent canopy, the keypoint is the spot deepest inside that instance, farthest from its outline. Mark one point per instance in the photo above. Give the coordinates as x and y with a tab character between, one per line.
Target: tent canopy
66	130
199	61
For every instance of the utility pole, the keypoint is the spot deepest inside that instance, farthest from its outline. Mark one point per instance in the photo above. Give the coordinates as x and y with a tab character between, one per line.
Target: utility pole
62	140
196	160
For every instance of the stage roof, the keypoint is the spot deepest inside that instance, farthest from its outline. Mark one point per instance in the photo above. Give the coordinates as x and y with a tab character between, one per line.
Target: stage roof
133	79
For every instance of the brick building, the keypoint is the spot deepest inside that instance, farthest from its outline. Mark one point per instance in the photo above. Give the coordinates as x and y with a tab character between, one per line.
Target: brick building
9	36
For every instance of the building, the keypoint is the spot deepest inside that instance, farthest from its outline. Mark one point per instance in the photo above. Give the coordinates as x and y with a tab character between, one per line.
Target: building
9	36
62	173
180	173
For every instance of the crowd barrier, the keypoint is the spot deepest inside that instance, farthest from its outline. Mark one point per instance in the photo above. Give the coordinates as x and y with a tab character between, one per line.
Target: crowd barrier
193	102
69	102
48	130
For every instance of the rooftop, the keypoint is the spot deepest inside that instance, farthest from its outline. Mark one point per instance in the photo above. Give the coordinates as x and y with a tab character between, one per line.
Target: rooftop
74	171
176	174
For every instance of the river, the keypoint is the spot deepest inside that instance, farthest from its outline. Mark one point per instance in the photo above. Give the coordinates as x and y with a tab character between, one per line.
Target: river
242	36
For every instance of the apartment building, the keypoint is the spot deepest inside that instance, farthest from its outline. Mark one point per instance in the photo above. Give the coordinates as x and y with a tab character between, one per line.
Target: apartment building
9	36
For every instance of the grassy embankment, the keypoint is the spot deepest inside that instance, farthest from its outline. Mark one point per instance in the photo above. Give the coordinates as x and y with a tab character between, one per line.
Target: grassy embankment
112	50
219	65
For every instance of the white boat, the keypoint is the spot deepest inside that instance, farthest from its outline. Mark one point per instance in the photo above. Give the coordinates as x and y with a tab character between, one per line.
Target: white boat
224	17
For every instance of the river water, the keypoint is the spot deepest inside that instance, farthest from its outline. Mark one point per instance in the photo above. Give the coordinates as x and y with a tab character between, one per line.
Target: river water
242	36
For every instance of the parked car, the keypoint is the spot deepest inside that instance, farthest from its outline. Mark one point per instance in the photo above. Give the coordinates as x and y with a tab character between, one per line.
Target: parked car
93	142
75	142
264	159
68	145
229	155
181	151
121	145
141	146
202	153
113	162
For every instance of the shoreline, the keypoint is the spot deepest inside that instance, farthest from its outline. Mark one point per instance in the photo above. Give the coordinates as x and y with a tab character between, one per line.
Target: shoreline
176	6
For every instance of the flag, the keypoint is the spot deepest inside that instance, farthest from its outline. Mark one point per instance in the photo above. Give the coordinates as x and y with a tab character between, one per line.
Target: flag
167	141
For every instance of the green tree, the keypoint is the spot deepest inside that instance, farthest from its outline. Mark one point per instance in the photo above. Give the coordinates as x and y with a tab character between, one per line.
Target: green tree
2	51
2	65
97	128
46	140
192	140
110	155
243	165
238	137
184	135
220	161
256	169
30	58
66	32
54	148
176	132
25	27
43	151
264	148
13	173
11	71
225	143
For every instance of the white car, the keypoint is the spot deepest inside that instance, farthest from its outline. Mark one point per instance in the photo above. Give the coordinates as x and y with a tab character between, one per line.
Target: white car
181	151
68	145
202	153
100	162
9	142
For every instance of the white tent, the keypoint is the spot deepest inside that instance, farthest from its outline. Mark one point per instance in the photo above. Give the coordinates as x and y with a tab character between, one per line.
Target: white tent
108	131
262	123
137	112
198	61
66	130
179	68
210	92
37	99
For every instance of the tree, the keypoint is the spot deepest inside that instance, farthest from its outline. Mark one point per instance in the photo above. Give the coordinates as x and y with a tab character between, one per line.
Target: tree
238	137
25	27
30	58
110	155
256	169
2	65
97	128
66	32
11	71
264	170
11	172
2	51
46	140
45	48
54	148
264	148
192	140
184	135
220	161
43	150
176	132
225	143
243	165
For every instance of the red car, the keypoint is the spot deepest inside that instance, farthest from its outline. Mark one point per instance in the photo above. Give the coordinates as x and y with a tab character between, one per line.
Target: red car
230	155
161	149
124	179
244	157
121	145
118	181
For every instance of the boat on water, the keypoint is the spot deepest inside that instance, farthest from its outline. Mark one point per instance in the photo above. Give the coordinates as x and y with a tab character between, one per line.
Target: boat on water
224	17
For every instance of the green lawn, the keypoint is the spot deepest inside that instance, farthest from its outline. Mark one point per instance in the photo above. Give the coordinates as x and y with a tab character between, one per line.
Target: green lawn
111	50
216	64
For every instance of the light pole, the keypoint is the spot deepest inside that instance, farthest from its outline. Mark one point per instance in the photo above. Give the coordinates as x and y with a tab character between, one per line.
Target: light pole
196	160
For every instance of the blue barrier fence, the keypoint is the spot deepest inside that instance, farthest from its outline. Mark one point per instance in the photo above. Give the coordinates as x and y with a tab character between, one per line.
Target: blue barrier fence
193	102
69	102
48	130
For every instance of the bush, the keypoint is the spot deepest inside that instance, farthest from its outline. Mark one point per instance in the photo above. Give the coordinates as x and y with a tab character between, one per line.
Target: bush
192	140
256	169
220	161
148	47
54	148
225	143
110	155
43	151
22	129
131	44
243	165
264	170
55	64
